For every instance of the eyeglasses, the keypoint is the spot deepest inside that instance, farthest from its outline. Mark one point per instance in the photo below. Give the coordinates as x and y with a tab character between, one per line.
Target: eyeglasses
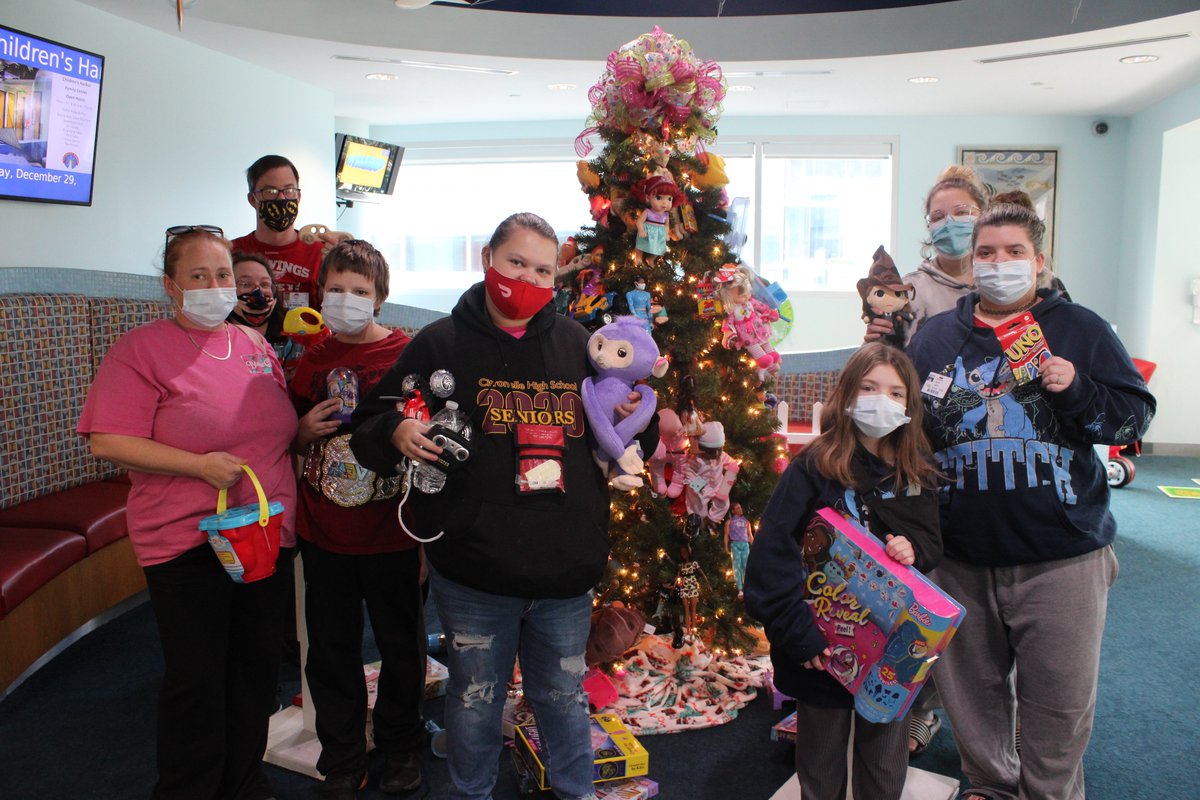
959	212
249	284
180	230
271	193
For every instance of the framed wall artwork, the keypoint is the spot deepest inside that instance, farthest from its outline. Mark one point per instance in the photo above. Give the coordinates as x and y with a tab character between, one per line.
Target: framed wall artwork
1030	170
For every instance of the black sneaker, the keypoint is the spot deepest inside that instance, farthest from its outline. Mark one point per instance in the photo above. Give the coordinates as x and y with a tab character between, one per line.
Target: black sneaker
342	786
401	773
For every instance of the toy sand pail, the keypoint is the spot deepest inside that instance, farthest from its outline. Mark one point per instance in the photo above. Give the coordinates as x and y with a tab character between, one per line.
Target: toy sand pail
246	538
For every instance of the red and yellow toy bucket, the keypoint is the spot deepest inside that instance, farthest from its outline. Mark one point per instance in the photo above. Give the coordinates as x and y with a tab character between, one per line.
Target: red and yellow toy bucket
246	538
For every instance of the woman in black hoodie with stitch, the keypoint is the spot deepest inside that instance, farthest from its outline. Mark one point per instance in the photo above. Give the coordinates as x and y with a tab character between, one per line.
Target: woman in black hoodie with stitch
514	561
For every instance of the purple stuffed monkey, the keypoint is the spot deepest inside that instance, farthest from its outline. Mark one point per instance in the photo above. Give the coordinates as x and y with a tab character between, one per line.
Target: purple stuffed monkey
622	353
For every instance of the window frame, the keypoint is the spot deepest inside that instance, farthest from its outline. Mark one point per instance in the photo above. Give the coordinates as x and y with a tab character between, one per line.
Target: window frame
759	148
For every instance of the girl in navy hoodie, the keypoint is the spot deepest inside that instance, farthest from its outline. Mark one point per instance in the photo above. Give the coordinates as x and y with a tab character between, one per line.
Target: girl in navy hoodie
872	463
1025	518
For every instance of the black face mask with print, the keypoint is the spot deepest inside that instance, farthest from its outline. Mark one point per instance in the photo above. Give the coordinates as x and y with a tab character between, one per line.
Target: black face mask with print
278	214
258	307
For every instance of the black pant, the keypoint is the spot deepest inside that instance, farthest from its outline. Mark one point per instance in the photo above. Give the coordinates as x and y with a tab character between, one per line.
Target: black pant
220	643
336	587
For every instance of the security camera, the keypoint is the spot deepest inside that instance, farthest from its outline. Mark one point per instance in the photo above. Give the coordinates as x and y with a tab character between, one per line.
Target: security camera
1100	128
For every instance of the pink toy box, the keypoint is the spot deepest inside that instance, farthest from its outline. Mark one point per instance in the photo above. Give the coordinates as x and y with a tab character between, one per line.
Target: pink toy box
885	623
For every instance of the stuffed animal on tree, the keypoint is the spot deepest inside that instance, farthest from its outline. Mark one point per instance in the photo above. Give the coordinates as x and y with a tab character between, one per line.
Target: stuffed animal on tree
623	353
885	295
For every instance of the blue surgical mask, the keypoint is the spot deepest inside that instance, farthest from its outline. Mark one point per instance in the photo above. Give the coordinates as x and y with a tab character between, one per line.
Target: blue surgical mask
877	415
1004	282
952	237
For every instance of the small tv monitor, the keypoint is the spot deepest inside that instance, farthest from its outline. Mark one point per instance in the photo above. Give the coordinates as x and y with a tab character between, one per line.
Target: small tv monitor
366	169
49	119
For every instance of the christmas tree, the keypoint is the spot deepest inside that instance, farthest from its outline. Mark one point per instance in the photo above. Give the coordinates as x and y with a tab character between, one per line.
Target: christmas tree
655	109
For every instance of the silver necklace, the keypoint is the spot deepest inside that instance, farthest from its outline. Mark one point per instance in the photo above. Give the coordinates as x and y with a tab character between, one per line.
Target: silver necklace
228	342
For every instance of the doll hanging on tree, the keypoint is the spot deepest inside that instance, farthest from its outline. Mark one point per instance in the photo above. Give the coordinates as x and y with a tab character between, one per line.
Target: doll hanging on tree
710	475
639	303
746	319
688	586
660	194
739	535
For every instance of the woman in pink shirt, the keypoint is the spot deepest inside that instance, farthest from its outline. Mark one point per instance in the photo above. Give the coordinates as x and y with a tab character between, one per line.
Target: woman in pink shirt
182	403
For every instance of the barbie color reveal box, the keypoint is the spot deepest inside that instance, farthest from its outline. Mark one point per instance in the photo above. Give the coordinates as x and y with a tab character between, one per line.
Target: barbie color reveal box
885	623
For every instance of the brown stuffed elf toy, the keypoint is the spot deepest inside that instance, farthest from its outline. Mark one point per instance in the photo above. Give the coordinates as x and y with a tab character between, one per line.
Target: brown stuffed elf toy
885	295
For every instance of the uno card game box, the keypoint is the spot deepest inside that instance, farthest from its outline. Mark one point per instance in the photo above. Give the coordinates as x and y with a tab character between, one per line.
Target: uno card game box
618	754
885	623
1024	346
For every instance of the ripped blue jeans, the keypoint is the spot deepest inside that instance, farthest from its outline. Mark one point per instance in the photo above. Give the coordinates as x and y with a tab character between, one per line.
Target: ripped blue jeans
483	634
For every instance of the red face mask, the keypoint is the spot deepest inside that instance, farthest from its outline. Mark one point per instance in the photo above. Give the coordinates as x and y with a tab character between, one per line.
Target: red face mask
516	300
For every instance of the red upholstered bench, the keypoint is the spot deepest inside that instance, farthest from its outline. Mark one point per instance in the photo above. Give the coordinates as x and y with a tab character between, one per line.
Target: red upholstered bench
95	511
31	558
65	558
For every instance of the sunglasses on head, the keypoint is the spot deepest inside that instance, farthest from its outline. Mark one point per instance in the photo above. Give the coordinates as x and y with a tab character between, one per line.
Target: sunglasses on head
180	230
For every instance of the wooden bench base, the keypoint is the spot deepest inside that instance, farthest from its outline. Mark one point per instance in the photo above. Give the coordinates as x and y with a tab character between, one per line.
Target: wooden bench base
77	595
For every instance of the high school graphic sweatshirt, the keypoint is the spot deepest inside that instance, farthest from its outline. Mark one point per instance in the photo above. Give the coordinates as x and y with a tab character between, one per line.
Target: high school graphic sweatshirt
546	545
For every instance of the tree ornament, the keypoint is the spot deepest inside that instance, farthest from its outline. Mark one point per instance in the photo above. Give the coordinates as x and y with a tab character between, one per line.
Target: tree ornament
656	84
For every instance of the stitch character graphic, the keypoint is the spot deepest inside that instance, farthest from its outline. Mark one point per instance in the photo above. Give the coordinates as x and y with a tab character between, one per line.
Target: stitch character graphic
1003	415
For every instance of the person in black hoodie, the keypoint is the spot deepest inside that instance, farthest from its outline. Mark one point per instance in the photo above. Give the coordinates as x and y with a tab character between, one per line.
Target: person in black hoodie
511	568
871	462
1026	524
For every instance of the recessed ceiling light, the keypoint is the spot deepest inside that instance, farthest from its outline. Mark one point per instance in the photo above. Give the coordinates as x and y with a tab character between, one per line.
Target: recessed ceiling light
740	87
1138	59
788	73
382	76
924	79
403	62
560	87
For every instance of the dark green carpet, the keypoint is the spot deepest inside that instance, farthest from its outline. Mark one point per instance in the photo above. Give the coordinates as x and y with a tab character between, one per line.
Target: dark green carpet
82	727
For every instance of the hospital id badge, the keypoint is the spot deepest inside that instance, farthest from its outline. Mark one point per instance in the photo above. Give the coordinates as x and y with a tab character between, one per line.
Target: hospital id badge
936	385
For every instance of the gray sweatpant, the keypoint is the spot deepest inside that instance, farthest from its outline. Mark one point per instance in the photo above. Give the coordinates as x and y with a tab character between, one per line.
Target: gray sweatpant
1031	638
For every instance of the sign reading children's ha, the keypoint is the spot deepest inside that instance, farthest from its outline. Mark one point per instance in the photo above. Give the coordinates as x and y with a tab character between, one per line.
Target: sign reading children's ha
49	115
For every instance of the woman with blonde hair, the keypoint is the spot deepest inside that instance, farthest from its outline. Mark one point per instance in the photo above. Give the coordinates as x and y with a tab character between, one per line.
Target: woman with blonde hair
952	205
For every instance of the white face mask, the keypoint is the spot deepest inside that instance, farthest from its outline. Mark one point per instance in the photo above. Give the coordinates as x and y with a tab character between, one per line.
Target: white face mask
347	313
208	308
877	415
1003	282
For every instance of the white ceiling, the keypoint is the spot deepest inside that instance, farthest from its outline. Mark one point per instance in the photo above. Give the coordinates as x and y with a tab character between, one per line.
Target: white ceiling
299	38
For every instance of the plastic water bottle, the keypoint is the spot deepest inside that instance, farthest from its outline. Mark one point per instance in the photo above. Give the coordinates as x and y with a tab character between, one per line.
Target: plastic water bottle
437	738
429	479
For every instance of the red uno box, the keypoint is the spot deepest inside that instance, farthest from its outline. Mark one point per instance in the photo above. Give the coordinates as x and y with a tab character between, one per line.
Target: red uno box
1024	346
885	623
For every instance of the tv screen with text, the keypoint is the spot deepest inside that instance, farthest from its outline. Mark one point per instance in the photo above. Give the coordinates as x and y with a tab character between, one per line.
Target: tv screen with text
49	117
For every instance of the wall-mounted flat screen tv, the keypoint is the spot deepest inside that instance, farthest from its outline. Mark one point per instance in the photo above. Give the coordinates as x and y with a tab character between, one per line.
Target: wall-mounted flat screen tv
366	169
49	118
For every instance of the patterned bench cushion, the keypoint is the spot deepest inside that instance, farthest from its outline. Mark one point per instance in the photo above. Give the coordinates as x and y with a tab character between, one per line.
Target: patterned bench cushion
46	353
